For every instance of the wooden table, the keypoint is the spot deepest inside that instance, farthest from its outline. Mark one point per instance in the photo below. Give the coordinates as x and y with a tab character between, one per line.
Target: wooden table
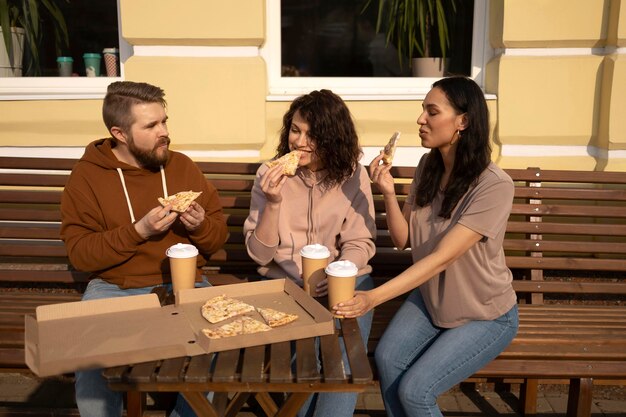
239	375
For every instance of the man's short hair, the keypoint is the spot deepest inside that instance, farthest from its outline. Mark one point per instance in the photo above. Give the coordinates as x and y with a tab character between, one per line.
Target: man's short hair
121	96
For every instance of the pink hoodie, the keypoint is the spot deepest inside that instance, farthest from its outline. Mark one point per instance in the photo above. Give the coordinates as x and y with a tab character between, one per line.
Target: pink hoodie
340	218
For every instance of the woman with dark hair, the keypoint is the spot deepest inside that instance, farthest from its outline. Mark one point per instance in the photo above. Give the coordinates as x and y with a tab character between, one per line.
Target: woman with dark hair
328	201
462	310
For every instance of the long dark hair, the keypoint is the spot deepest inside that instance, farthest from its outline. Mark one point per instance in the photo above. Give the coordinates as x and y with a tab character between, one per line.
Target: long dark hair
331	127
473	149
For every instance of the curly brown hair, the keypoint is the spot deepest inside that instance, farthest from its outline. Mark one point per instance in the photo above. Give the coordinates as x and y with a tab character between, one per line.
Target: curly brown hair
331	127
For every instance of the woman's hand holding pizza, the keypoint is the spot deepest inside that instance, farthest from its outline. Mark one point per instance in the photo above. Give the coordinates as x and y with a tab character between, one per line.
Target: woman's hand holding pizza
272	183
380	175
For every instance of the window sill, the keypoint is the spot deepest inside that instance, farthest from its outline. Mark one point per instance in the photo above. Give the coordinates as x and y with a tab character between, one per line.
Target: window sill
54	88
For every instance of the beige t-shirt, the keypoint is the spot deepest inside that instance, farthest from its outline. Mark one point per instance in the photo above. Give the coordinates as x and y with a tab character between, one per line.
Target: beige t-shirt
477	286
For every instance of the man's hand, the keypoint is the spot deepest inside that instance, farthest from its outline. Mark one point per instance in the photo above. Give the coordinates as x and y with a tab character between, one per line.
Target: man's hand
157	221
193	217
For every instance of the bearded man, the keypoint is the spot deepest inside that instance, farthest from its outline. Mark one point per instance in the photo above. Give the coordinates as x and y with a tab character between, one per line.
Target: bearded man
112	223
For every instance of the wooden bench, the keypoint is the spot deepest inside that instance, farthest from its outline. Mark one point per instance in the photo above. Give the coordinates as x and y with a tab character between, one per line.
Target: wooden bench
566	243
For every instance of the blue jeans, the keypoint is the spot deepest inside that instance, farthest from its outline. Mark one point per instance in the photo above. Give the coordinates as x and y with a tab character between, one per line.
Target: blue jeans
418	361
93	396
330	404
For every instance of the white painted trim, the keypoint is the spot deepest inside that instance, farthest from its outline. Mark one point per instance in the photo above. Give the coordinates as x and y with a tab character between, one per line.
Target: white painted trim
552	52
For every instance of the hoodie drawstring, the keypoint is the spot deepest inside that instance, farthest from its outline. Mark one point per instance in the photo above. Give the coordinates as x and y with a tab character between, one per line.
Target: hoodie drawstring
130	206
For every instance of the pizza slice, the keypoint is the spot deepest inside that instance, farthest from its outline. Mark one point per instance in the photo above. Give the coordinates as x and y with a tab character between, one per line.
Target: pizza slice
231	329
289	162
180	201
390	148
251	325
276	318
223	307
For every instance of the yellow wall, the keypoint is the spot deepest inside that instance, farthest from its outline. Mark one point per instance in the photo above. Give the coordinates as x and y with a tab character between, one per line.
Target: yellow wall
551	88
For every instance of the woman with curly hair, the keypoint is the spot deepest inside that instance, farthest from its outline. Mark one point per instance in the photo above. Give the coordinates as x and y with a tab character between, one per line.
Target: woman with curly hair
328	201
461	311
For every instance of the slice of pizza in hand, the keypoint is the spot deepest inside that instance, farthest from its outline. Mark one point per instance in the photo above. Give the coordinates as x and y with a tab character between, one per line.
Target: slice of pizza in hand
390	148
289	162
276	318
223	307
180	201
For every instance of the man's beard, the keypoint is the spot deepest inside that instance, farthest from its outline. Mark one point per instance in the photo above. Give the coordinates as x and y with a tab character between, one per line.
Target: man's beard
151	159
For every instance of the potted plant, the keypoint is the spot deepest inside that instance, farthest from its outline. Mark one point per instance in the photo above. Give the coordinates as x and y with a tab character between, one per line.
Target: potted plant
417	28
26	15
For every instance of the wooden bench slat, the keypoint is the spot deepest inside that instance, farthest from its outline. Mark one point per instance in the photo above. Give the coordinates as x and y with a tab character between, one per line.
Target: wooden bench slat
331	358
170	370
280	362
199	368
562	246
563	263
551	368
549	210
548	287
34	180
226	365
254	368
306	360
30	196
595	229
360	372
574	193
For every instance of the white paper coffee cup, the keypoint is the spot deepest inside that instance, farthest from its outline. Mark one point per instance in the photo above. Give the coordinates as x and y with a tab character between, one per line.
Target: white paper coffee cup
182	266
314	260
341	281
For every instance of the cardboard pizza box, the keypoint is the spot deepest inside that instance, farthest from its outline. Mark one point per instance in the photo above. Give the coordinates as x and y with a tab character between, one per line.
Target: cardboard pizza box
82	335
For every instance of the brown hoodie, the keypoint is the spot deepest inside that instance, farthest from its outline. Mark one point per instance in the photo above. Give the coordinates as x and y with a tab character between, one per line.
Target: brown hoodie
97	225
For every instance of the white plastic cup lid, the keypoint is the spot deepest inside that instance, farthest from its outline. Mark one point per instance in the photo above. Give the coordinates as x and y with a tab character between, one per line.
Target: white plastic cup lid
315	251
342	269
182	250
110	51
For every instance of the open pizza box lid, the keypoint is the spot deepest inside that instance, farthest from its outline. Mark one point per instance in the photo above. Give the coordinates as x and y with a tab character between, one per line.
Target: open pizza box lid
82	335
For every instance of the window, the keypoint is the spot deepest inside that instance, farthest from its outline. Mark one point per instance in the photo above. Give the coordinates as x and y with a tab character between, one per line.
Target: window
331	43
92	27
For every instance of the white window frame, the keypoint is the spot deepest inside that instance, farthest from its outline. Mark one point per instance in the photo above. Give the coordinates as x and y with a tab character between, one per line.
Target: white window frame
64	88
364	88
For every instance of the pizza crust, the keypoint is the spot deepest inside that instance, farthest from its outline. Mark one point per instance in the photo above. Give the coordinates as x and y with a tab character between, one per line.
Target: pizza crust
180	201
289	162
390	148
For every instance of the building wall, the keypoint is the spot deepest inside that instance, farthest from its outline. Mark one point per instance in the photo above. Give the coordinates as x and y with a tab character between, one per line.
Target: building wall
557	92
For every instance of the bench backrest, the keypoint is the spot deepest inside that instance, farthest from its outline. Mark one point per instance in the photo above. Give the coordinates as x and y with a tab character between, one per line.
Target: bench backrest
561	221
